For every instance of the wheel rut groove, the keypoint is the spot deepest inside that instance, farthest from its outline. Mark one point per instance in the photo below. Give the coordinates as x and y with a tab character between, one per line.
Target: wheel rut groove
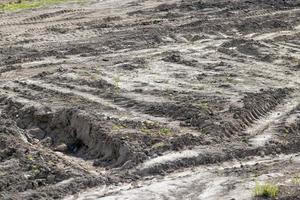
112	99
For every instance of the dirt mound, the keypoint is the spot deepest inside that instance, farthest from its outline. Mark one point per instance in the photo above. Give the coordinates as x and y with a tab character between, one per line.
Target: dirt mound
121	95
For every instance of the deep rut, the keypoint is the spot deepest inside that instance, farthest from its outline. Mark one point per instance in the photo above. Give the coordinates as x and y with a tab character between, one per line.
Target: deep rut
165	100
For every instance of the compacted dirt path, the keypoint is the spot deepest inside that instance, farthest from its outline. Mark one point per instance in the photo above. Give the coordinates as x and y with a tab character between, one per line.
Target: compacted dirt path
150	99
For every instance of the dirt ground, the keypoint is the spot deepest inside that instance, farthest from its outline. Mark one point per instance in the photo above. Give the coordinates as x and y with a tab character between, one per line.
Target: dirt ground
151	99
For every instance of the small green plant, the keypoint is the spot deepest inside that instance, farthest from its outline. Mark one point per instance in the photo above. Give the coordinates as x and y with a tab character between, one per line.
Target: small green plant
286	131
117	84
266	190
151	124
203	106
158	145
35	170
296	180
146	131
117	127
28	4
165	132
50	163
2	173
30	157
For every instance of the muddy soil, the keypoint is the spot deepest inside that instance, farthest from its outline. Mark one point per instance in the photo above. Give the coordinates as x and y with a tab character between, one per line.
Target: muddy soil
150	99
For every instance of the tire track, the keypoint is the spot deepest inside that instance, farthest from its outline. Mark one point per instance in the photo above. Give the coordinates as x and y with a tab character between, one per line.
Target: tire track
266	129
